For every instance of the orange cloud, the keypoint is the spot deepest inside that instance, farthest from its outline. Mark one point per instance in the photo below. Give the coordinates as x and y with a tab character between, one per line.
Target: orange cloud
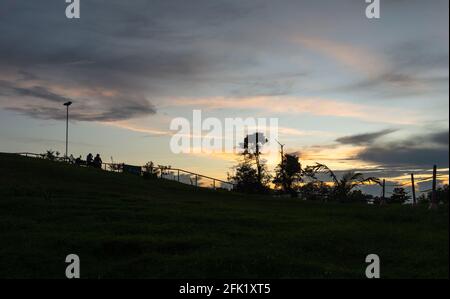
358	59
127	126
301	105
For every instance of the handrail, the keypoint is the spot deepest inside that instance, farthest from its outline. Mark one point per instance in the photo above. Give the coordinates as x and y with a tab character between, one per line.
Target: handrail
160	169
26	154
193	173
175	169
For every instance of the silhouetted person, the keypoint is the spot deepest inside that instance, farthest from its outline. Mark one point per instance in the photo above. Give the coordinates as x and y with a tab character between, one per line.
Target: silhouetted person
89	159
97	161
78	161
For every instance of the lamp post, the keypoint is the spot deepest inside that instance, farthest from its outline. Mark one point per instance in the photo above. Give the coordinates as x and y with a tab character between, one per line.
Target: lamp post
67	104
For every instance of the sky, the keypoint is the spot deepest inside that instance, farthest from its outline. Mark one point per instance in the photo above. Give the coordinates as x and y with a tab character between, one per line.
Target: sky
360	94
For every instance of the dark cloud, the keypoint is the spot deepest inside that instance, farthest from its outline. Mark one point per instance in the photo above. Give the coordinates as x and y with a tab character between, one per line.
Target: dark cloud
419	56
399	158
399	84
158	49
441	138
132	110
40	92
133	50
48	105
418	151
398	155
362	139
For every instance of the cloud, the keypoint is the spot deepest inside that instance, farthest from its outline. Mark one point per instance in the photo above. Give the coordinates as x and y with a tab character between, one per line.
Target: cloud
40	102
366	138
355	58
147	49
149	52
395	160
109	115
40	92
151	132
441	138
47	104
395	83
302	105
166	48
420	54
418	151
411	67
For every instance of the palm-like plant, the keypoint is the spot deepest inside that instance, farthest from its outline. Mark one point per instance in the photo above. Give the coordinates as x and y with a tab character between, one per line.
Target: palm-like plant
341	187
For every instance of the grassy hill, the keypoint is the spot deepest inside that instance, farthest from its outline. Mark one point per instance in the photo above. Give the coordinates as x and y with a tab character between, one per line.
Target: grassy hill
123	226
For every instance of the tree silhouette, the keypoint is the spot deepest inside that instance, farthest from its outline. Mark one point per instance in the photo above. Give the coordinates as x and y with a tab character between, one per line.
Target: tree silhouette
442	195
251	175
399	195
287	174
342	187
246	178
315	191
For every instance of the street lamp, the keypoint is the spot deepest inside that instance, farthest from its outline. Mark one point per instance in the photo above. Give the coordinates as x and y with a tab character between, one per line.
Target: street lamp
67	104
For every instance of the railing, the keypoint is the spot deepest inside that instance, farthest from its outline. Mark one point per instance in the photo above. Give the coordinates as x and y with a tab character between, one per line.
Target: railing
174	174
32	155
195	179
168	173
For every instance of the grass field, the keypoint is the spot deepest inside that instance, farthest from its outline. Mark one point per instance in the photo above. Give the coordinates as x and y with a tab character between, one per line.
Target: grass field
123	226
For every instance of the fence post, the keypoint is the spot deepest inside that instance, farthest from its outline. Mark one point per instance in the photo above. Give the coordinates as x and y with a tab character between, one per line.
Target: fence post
434	203
196	180
383	199
178	176
214	184
413	187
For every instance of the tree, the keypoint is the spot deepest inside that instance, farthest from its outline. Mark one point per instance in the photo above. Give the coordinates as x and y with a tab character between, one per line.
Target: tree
287	174
247	180
341	187
442	195
251	175
252	150
51	155
315	191
150	170
359	196
423	199
399	195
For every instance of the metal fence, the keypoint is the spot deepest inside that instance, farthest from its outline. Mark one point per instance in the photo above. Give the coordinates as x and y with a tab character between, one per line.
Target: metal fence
167	173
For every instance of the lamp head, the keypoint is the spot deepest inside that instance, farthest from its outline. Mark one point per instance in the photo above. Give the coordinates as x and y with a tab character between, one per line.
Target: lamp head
68	104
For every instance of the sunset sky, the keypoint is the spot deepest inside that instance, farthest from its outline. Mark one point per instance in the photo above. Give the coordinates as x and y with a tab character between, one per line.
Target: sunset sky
349	92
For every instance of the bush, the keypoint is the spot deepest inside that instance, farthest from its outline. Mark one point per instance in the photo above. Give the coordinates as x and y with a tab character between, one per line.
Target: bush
150	171
51	155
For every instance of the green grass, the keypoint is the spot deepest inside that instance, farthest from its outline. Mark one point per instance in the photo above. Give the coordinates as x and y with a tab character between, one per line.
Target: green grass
123	226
